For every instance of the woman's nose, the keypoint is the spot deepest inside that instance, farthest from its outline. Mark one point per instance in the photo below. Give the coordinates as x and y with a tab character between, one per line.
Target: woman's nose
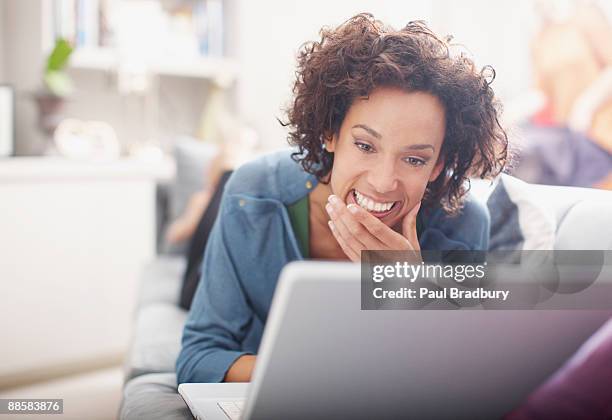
383	179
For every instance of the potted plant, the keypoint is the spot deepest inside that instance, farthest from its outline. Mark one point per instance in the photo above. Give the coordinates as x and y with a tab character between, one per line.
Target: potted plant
57	86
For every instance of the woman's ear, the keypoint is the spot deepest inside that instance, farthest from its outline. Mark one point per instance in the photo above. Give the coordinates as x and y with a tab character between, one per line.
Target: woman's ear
437	169
330	142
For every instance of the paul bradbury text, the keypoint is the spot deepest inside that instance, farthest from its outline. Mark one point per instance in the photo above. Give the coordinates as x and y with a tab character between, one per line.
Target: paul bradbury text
447	293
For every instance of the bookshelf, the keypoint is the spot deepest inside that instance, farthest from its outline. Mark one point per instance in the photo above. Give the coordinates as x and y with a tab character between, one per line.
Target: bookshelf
169	38
109	59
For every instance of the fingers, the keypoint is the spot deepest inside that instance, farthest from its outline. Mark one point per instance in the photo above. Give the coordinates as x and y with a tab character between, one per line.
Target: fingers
388	238
409	221
351	230
352	254
356	229
409	226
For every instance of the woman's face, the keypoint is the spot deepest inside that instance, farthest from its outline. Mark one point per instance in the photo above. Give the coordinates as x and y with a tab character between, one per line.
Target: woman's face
387	151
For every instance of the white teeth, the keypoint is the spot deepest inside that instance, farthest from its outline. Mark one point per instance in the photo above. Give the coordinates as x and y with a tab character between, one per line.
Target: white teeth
370	205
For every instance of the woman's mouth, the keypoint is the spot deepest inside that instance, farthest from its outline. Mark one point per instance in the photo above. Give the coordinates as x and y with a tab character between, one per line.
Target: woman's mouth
375	208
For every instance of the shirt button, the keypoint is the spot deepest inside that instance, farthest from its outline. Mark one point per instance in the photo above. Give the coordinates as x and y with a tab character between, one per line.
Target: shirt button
241	203
308	184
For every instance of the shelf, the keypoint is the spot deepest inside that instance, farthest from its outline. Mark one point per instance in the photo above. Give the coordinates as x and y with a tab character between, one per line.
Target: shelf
46	169
107	59
94	59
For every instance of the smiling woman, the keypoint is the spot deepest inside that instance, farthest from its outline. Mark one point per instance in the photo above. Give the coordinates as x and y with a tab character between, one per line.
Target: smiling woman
387	127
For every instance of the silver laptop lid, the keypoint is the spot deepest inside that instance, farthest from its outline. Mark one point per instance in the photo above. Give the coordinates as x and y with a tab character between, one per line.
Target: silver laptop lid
321	356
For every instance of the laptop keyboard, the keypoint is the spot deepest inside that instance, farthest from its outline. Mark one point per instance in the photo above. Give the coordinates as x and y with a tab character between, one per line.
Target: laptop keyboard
232	409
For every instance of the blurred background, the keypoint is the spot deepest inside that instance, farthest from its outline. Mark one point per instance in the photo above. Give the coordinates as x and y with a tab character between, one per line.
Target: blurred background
118	117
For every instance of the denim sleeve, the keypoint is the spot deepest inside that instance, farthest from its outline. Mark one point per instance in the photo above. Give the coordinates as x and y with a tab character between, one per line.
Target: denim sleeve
219	316
474	227
468	231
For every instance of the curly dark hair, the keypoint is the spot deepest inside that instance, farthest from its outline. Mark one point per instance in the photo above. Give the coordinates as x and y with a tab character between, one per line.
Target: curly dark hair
362	54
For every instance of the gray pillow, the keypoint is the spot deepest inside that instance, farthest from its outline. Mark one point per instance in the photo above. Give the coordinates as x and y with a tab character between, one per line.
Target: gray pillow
505	229
518	220
193	159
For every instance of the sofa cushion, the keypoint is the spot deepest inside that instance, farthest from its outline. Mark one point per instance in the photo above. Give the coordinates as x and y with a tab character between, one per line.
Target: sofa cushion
160	280
156	341
153	396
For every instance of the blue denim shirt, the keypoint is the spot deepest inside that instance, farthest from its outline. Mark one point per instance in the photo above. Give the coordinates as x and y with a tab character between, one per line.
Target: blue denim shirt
251	241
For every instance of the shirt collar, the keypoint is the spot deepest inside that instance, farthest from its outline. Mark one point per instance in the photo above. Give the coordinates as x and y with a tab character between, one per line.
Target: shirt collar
294	181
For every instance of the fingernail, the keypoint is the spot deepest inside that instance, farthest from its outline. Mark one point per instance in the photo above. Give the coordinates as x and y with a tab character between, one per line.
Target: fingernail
329	208
330	224
352	208
333	199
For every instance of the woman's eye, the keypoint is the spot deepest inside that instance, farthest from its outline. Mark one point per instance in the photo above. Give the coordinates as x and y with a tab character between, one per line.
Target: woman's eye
415	161
364	147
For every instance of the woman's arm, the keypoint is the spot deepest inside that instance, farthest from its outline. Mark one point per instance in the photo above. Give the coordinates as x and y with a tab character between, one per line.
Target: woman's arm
241	370
220	313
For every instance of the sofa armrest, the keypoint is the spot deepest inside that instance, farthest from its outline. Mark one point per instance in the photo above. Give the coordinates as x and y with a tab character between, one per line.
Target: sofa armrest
156	341
560	199
151	397
586	225
159	321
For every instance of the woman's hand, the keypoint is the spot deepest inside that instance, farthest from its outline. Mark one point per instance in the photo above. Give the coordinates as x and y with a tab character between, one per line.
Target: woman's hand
357	230
241	370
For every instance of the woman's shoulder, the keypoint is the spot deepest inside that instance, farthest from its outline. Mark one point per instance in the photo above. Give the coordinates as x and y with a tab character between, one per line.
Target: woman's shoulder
273	175
468	229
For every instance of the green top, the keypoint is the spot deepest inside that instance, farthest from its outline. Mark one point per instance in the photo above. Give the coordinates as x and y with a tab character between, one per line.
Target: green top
298	214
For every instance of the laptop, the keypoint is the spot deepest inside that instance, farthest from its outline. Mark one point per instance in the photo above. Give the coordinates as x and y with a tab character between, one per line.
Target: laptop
322	357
